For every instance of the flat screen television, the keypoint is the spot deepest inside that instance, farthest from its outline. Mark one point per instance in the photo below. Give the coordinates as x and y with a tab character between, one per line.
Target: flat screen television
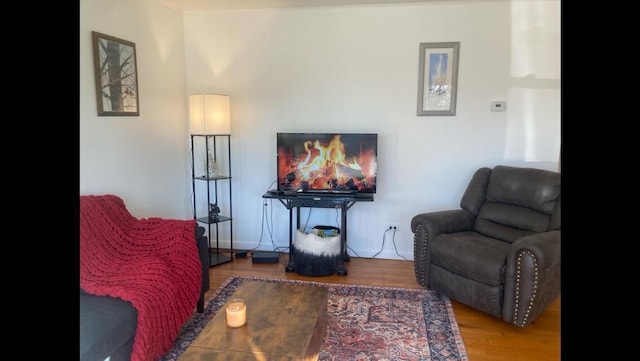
327	162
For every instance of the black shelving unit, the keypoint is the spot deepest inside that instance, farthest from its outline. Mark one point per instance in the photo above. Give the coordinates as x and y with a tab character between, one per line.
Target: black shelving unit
217	146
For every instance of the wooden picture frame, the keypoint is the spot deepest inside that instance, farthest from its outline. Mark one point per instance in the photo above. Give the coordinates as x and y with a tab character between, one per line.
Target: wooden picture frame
116	76
438	78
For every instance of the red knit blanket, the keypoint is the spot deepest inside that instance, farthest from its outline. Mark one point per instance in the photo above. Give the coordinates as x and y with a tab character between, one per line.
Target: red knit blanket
152	263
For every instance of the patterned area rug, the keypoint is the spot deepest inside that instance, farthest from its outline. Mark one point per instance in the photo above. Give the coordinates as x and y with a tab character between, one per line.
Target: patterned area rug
365	323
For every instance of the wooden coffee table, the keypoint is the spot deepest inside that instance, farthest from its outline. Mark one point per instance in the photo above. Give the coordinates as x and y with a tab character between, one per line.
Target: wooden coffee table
285	322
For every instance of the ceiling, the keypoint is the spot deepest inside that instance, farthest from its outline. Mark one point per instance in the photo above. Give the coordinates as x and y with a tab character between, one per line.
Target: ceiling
220	5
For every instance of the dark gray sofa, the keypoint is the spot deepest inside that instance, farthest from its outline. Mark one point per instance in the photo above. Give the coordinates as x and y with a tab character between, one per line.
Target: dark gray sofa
108	325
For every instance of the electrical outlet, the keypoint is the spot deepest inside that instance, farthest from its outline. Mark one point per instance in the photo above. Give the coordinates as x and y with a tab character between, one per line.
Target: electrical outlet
392	226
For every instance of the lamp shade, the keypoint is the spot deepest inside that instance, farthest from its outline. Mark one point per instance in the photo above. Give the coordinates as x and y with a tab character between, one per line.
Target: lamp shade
209	114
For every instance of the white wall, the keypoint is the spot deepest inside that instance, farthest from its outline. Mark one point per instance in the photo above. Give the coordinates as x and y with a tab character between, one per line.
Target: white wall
323	69
143	159
354	69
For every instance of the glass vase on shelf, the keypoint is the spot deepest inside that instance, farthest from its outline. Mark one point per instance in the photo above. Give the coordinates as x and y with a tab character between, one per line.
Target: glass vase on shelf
212	167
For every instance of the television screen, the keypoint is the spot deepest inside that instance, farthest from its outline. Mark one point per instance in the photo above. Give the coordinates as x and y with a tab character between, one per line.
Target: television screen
327	162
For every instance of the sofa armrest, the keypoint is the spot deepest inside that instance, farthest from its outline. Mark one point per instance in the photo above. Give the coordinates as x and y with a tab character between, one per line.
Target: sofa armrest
425	227
203	250
532	277
107	327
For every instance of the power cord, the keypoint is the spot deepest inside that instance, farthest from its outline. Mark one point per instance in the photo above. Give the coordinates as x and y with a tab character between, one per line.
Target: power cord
270	228
261	228
264	220
384	235
393	237
352	251
269	223
306	223
337	223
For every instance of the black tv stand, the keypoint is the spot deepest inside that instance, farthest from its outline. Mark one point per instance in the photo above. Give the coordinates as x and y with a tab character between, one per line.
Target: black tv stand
343	201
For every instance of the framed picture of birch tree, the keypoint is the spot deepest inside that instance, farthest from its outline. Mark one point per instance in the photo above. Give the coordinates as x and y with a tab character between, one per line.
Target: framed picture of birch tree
116	76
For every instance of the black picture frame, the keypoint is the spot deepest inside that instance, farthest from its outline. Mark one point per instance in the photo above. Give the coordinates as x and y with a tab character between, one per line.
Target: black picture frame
116	76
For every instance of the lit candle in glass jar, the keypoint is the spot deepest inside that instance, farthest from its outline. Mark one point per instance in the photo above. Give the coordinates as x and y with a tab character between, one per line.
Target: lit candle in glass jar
236	313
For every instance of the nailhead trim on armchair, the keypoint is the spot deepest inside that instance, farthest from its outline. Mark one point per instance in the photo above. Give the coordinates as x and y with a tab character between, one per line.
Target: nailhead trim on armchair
419	255
535	287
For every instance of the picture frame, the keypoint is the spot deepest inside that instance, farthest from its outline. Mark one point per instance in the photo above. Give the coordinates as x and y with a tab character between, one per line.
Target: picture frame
116	76
438	78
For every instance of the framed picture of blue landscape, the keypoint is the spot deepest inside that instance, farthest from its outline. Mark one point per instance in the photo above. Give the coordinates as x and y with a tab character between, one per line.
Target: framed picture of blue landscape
116	76
438	78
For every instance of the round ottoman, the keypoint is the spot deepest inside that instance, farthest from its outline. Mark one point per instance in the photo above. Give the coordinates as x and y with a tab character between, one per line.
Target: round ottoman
315	255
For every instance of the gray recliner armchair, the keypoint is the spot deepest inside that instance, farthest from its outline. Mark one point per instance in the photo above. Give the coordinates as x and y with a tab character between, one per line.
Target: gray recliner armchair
499	253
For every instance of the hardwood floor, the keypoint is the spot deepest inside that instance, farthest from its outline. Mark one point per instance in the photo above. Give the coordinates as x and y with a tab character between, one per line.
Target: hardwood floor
486	338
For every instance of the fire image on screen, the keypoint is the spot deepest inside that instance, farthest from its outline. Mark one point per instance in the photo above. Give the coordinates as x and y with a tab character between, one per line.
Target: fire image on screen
327	162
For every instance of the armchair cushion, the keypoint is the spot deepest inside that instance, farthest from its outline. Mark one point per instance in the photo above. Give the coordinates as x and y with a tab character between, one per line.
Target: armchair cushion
518	202
485	264
525	187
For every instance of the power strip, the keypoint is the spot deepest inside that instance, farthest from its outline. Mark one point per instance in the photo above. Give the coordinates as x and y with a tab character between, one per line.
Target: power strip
265	257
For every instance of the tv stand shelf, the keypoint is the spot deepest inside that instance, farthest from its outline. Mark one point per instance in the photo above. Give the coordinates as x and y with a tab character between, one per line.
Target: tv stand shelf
342	201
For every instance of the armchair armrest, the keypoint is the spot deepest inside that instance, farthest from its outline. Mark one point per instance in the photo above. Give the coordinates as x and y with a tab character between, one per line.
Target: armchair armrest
425	227
451	221
532	277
